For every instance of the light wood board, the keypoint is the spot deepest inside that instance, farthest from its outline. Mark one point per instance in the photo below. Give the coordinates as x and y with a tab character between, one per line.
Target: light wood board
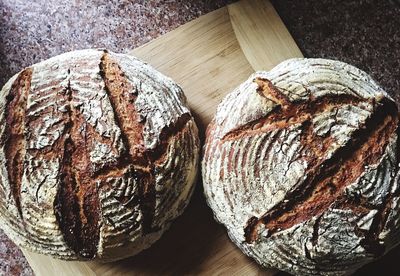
208	57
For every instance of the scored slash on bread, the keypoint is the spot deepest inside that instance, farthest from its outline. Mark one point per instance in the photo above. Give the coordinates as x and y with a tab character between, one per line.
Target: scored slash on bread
14	131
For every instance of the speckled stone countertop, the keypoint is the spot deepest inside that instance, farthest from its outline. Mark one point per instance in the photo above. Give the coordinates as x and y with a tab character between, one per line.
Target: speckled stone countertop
365	33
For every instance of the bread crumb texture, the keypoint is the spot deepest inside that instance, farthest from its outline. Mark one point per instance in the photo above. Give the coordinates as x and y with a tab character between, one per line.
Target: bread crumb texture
98	154
301	165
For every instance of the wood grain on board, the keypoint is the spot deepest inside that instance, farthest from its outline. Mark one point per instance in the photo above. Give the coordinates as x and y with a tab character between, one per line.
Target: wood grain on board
208	57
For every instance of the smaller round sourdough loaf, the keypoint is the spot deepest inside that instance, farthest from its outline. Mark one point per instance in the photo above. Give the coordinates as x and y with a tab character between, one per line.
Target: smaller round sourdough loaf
98	154
301	164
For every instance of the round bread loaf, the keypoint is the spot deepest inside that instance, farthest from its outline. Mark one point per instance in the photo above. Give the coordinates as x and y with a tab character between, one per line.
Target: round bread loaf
301	165
98	154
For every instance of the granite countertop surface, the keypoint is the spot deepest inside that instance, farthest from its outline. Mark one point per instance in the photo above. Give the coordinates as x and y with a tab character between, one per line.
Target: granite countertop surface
365	33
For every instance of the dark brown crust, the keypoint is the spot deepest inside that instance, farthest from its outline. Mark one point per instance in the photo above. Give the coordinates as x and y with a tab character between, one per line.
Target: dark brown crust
127	118
290	114
327	178
14	139
269	91
77	204
122	101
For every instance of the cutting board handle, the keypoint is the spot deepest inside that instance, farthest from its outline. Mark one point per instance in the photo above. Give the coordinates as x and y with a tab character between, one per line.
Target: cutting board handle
254	23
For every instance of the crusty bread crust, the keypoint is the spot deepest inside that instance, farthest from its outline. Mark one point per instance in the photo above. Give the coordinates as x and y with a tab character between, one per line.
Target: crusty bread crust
98	154
301	166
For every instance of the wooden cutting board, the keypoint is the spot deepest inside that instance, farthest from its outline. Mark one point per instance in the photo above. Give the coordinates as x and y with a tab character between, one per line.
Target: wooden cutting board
208	57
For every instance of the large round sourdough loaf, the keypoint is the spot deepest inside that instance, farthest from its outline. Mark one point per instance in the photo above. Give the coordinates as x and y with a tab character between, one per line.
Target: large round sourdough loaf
98	154
301	165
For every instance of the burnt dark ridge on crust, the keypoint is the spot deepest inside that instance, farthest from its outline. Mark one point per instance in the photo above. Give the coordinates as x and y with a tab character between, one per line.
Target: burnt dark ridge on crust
77	204
13	138
288	113
326	180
